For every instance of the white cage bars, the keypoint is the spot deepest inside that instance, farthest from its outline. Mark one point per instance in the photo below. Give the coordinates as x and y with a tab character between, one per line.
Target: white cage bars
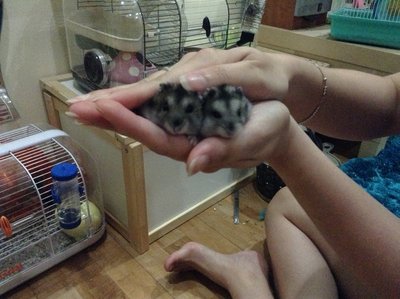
34	240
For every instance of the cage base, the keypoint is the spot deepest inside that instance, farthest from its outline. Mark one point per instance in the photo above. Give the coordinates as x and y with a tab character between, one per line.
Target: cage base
29	273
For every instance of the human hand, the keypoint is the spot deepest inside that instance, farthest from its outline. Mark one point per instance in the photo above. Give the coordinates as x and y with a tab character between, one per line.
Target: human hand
260	75
261	138
264	78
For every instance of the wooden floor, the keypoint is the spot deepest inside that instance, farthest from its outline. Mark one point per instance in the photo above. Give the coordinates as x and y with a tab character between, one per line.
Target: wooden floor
112	269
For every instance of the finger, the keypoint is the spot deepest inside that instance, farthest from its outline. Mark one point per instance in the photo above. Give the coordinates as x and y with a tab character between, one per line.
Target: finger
111	115
203	59
212	56
130	95
184	59
213	154
133	95
156	75
252	82
248	148
88	114
144	131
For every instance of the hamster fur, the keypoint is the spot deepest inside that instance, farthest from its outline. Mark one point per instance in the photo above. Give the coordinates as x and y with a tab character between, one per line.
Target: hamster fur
219	111
225	112
175	109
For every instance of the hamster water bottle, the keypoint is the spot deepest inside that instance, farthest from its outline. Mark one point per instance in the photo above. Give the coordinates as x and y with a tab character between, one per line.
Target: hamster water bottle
66	194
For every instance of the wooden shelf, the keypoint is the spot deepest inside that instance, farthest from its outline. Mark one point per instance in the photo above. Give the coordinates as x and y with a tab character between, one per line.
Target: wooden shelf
316	43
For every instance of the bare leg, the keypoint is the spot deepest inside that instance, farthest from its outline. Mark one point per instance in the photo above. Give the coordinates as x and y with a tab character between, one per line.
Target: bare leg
300	271
304	265
243	274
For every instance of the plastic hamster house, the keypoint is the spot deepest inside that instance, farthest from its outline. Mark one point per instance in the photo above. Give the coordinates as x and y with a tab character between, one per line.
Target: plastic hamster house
120	42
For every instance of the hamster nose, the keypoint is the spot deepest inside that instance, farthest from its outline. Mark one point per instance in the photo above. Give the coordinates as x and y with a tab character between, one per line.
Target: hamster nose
177	122
231	127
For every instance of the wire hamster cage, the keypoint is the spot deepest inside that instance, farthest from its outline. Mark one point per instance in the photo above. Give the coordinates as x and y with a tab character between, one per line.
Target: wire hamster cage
31	236
8	113
113	42
374	22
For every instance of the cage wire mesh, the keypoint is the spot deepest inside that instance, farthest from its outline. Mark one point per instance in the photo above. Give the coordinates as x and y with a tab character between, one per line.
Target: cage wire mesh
162	25
26	201
207	25
385	10
171	28
7	111
375	22
162	22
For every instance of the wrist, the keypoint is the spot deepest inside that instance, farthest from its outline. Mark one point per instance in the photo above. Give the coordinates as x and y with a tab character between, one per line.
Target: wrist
307	88
294	145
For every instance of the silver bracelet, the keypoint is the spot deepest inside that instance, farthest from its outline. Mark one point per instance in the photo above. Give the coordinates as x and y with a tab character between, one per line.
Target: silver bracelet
324	93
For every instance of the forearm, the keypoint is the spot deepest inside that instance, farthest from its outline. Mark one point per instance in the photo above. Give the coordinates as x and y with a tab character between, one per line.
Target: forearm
357	105
360	230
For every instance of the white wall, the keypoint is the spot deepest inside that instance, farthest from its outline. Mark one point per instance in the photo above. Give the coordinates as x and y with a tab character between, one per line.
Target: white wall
32	46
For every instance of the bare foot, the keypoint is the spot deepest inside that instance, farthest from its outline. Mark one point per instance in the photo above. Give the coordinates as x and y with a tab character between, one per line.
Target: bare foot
243	274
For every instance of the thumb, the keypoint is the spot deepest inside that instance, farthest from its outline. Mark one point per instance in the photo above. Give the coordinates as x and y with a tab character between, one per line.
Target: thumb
208	156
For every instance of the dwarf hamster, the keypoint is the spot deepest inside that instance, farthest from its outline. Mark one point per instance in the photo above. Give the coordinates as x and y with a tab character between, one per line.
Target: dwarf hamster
219	111
175	109
225	111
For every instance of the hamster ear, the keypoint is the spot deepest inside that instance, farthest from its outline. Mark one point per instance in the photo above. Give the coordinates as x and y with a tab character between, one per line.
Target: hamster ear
209	93
247	109
166	87
200	95
179	89
230	90
239	90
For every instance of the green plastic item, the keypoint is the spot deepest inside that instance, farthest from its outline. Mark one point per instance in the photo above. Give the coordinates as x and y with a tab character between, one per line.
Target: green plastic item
363	26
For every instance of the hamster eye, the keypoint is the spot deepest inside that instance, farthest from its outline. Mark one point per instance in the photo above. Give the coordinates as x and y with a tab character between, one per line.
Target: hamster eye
189	108
239	113
211	93
165	107
216	114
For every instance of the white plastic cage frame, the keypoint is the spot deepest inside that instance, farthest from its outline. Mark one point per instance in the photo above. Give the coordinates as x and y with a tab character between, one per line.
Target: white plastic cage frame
161	27
162	31
36	242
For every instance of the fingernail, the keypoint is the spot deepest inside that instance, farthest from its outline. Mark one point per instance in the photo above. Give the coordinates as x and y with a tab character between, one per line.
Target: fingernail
193	82
197	164
81	123
71	114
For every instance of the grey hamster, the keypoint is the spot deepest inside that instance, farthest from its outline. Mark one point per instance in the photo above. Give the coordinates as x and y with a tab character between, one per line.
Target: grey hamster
175	109
219	111
225	112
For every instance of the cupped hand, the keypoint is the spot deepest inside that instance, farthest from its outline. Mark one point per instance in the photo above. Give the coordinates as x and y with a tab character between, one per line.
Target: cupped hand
262	77
261	137
112	115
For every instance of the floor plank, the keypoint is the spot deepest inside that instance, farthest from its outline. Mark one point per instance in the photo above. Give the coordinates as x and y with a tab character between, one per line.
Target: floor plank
112	269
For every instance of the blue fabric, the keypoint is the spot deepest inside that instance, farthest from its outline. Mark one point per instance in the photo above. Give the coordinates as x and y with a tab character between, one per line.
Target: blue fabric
379	175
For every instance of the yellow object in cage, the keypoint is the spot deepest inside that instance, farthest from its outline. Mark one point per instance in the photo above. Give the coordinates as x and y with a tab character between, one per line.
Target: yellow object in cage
394	7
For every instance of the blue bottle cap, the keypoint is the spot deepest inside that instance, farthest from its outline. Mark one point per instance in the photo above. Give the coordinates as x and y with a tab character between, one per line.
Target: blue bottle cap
64	171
